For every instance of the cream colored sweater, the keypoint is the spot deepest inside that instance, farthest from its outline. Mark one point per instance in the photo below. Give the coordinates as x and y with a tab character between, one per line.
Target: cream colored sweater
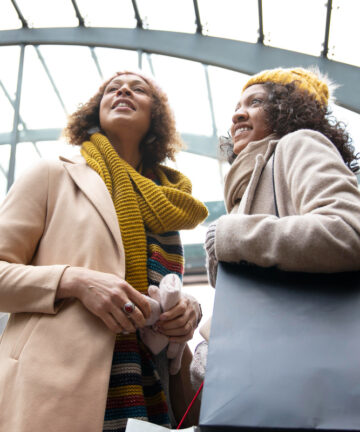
318	228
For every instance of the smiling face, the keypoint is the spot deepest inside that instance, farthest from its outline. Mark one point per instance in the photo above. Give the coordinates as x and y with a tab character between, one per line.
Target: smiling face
126	103
249	119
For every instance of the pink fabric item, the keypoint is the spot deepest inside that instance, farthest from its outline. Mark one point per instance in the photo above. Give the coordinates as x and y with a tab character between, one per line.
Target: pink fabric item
163	298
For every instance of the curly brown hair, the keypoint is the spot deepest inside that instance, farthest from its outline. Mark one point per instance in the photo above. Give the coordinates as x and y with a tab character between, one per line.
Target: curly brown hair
289	109
162	139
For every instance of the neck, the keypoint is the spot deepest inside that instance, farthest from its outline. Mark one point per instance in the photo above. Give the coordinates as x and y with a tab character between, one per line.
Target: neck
127	148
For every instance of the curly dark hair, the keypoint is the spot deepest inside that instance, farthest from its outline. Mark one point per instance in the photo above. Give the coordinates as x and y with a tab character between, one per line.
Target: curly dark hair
162	139
289	109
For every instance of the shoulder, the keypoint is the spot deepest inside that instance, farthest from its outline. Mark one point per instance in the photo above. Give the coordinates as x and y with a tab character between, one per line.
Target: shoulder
310	153
305	140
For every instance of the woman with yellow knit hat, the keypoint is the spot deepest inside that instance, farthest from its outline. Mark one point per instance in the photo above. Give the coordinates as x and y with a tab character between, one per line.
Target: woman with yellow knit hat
291	195
81	240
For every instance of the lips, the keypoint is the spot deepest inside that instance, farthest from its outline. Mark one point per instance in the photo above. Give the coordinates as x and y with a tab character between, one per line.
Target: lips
239	129
123	103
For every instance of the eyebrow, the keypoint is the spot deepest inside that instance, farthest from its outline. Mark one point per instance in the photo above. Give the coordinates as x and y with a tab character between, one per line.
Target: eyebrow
133	82
252	95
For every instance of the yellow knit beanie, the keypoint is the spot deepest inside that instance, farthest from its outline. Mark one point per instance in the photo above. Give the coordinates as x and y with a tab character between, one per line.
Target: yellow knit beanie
305	79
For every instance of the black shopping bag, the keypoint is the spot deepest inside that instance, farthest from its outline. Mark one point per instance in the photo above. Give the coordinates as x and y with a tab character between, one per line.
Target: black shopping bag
284	351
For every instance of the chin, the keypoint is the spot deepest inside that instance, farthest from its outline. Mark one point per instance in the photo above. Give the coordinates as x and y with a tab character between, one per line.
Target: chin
239	147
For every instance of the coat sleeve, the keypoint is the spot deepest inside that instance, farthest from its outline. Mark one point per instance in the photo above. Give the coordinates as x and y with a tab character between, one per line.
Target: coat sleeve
324	233
25	287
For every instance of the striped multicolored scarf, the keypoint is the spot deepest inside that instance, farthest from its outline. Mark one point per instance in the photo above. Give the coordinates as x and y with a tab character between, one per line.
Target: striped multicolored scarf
160	209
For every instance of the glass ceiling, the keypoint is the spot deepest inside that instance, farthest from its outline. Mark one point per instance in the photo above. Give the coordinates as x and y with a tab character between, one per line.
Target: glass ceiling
53	78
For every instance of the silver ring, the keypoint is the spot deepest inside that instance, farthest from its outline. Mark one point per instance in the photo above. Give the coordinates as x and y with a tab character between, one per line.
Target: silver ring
129	307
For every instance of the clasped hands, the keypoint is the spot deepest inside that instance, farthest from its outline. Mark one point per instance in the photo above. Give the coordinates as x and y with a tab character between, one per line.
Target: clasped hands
105	295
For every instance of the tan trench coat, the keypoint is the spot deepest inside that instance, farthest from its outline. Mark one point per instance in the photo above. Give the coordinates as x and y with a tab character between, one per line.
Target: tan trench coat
318	202
55	359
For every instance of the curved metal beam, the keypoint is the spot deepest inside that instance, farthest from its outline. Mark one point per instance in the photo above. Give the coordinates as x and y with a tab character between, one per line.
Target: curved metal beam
239	56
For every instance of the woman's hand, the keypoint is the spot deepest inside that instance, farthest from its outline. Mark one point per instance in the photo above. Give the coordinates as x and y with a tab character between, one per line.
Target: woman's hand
105	295
180	322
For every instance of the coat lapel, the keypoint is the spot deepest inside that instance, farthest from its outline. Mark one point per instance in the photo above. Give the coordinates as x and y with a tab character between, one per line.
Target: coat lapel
261	161
90	183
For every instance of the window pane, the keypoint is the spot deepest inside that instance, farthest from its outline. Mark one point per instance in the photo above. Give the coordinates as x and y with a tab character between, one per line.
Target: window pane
345	32
170	15
107	13
4	165
54	149
226	87
295	26
26	156
9	68
114	60
184	82
207	185
8	16
231	19
45	13
7	113
351	120
78	79
39	105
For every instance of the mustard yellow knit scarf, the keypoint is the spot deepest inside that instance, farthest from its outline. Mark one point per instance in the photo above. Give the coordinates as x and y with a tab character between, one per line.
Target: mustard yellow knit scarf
141	205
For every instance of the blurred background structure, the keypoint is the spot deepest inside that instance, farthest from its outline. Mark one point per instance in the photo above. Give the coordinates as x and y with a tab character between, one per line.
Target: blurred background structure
55	53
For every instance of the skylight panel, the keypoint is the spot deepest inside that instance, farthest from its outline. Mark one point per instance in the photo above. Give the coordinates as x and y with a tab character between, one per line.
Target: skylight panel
231	19
114	60
345	32
184	81
9	68
77	79
107	13
226	87
174	15
7	113
295	26
8	16
39	106
48	13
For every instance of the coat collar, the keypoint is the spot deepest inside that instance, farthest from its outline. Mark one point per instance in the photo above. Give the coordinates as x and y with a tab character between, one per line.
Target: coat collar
244	174
91	184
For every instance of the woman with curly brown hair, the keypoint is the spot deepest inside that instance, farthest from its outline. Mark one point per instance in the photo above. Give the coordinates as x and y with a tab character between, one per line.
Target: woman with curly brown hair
292	199
81	240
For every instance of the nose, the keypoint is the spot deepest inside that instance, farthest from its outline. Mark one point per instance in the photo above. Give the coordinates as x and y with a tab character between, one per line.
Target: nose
239	115
124	90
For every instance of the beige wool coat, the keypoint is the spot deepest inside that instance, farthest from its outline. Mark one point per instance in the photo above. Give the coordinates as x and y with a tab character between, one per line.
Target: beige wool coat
318	228
55	358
